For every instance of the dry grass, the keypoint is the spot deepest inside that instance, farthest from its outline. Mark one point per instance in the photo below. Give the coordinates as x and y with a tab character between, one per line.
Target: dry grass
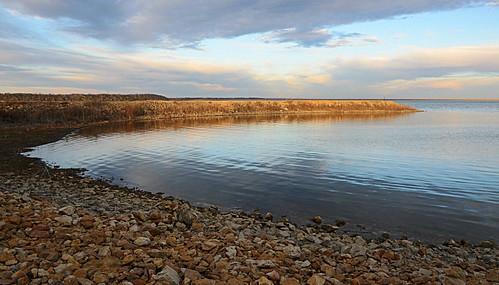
88	110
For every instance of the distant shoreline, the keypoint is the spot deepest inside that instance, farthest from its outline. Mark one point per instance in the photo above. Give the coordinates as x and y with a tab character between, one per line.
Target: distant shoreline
29	97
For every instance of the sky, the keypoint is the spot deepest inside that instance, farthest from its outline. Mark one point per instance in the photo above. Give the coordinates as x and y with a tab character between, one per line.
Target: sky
258	48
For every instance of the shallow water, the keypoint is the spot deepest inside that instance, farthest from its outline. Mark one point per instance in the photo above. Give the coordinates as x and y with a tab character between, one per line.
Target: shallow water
432	175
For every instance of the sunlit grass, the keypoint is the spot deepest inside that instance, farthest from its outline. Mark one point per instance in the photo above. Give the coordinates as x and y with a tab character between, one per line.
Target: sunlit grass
43	109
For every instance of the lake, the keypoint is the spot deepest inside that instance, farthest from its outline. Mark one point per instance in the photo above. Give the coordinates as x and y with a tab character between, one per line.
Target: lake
431	175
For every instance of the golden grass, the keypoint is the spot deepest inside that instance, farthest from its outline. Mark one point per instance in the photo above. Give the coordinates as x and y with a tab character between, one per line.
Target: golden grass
72	112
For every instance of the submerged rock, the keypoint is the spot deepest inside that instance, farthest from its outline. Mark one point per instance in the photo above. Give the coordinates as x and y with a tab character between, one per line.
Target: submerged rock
317	219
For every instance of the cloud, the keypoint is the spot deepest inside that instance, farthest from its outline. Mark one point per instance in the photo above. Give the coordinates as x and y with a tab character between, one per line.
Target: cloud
441	72
445	83
33	69
467	71
352	39
179	22
319	38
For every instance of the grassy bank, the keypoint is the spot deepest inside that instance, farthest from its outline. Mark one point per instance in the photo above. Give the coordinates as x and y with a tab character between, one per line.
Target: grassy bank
44	109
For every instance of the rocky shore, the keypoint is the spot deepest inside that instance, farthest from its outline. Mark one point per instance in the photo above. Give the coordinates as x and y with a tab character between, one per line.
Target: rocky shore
57	227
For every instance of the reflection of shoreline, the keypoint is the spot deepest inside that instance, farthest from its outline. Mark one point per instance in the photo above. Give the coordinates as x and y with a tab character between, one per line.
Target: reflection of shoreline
178	123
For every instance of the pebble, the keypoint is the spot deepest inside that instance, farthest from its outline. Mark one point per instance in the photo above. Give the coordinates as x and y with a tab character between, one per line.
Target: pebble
316	280
168	275
68	210
142	241
65	220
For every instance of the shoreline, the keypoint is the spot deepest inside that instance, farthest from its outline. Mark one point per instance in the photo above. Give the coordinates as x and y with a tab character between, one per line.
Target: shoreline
199	244
93	110
95	232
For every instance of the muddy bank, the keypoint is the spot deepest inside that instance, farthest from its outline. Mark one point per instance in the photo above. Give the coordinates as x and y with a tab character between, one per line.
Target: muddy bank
59	228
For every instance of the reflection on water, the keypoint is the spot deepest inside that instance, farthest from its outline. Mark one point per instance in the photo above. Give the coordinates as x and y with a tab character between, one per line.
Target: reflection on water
220	121
432	175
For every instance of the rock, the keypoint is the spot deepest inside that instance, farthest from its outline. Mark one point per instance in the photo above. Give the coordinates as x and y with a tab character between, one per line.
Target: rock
133	228
155	215
492	275
235	281
185	215
292	251
303	264
6	277
453	281
268	216
128	259
68	210
356	281
264	281
328	270
385	236
487	244
265	264
197	227
104	251
289	281
80	273
64	268
425	272
455	272
14	219
390	255
317	219
335	281
140	215
357	250
340	222
210	244
329	228
231	251
39	234
87	221
316	280
273	275
204	281
142	241
6	256
100	278
169	275
85	281
64	220
71	280
192	275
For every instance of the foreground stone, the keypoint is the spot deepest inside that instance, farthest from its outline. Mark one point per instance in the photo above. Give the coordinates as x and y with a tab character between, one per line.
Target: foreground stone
74	231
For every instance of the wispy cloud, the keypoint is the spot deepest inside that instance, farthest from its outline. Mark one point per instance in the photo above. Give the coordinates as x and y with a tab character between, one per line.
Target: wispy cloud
319	38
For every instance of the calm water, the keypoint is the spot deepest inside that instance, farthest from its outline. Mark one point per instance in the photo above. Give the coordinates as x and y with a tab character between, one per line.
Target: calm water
431	175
